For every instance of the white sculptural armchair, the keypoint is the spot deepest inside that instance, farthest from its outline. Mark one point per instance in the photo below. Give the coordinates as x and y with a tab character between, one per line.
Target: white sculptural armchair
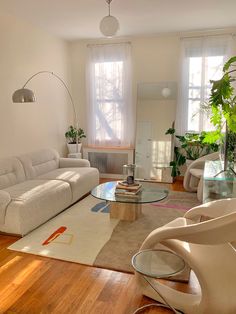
207	248
194	174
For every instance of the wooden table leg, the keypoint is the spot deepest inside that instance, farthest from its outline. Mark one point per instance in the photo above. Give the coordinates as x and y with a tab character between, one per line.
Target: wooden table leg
125	211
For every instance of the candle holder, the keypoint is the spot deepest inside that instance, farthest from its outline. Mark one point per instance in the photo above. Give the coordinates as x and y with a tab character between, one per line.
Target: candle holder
129	173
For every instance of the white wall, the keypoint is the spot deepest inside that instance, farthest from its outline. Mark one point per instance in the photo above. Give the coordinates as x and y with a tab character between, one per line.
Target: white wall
157	60
24	51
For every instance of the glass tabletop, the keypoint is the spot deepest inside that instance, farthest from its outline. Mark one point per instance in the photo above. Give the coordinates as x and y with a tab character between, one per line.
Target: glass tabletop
148	194
213	171
157	263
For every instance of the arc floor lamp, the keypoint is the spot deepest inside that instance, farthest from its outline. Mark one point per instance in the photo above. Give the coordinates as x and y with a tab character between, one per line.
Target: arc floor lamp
23	95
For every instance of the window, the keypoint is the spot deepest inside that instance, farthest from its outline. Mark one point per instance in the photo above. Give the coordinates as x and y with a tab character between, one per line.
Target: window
110	108
201	71
110	101
202	61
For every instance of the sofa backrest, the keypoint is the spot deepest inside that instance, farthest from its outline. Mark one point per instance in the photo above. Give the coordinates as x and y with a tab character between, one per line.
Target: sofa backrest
11	172
40	162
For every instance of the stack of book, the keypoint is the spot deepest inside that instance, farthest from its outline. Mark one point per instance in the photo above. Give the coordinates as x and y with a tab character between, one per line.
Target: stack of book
125	189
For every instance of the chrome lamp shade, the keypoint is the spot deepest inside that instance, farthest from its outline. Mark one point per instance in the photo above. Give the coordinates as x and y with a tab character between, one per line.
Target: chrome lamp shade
23	95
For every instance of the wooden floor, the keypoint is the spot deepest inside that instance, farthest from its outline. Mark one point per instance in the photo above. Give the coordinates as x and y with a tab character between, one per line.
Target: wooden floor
34	284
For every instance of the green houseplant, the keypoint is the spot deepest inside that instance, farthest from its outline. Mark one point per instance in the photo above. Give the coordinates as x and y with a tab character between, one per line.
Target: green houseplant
192	146
71	135
222	106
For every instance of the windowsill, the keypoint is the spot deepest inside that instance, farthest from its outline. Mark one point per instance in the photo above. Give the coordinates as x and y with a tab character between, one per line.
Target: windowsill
110	147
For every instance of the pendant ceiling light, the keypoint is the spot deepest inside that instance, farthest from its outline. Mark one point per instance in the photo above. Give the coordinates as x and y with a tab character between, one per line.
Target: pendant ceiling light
109	25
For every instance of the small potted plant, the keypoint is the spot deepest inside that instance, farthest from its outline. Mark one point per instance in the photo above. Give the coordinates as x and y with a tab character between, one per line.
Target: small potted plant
71	135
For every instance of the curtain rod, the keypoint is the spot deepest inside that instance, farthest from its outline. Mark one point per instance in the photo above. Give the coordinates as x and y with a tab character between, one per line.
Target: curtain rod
123	42
209	35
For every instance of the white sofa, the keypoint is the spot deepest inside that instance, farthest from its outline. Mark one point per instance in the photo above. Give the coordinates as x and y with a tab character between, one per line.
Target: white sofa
37	186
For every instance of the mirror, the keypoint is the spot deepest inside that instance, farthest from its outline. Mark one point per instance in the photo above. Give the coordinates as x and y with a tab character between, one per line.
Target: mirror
156	103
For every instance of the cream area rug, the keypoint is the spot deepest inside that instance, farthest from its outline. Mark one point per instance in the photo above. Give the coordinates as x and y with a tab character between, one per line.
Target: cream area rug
85	234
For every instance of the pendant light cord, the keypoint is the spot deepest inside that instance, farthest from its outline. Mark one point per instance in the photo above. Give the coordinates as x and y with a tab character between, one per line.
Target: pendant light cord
109	7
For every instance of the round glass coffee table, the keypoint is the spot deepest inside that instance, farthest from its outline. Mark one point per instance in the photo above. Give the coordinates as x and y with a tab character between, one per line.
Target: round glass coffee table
157	264
128	207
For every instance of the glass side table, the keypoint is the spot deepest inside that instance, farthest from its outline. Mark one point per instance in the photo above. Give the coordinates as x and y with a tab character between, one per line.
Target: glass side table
157	264
217	184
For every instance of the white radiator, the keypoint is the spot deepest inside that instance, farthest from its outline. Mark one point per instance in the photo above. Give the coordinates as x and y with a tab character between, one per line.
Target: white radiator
109	162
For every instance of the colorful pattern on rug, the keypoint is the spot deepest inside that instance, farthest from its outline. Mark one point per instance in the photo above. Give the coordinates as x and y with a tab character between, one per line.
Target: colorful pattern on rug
102	207
85	234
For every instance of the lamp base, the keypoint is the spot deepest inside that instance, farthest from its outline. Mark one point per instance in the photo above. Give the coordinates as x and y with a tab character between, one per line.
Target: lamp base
75	155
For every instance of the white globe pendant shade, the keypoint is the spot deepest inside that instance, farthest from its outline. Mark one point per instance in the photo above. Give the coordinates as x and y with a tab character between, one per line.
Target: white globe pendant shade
109	26
166	92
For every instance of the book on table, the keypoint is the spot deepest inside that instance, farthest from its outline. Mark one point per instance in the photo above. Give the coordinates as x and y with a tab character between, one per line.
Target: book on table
126	195
122	185
128	191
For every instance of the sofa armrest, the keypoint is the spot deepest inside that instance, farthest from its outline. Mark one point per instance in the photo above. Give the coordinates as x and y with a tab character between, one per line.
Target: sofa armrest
73	162
5	199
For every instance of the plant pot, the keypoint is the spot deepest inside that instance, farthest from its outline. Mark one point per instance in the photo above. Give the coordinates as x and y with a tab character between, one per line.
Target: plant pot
72	148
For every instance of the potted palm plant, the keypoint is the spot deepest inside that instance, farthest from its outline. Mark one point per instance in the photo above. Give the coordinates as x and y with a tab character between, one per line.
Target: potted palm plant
222	106
74	136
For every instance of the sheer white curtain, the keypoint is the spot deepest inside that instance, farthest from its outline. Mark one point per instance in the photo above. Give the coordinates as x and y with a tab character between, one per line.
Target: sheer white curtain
110	110
202	60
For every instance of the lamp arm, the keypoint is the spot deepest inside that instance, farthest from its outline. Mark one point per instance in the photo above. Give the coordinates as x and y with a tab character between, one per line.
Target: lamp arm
64	84
71	99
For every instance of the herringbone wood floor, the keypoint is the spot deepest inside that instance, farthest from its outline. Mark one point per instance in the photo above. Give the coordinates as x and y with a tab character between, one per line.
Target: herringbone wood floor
32	284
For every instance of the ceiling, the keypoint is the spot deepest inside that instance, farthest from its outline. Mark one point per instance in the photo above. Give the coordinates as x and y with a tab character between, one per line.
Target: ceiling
79	19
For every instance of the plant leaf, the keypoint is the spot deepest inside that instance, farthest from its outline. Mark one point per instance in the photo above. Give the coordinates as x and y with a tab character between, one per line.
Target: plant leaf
229	63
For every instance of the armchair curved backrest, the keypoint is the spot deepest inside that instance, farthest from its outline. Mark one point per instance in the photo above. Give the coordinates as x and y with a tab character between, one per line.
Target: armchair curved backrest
208	248
193	178
216	231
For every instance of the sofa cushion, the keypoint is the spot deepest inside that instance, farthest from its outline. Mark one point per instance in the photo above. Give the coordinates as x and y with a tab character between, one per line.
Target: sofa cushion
5	199
35	201
82	180
11	172
73	162
39	162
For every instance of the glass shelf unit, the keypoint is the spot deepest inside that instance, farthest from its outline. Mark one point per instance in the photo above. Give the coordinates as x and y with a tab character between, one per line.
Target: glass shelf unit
216	183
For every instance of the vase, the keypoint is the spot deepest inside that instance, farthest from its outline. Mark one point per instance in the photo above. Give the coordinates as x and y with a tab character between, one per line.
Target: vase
72	148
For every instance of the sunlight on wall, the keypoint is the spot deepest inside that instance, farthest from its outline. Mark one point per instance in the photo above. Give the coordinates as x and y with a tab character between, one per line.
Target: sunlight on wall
161	152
